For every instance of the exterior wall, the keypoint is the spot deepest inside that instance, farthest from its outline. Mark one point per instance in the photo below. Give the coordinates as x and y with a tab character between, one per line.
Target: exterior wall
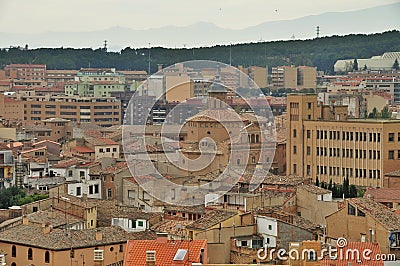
259	75
221	241
313	209
178	88
288	233
307	77
8	133
11	109
391	181
131	225
304	150
82	256
134	195
101	111
351	227
268	227
106	151
85	189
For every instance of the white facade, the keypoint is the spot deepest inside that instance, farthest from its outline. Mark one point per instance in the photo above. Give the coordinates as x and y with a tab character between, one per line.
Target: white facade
268	228
131	225
91	188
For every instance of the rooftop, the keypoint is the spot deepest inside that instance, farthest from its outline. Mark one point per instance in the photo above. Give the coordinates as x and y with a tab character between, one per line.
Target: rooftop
60	239
52	217
315	190
165	251
383	194
389	219
211	218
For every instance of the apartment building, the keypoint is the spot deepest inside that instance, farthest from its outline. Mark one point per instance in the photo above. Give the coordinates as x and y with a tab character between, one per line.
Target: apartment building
291	77
323	142
30	75
103	111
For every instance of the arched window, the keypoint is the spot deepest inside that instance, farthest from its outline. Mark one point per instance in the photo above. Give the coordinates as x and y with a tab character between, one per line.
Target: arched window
13	264
13	251
253	159
252	138
30	254
249	138
257	138
238	161
47	257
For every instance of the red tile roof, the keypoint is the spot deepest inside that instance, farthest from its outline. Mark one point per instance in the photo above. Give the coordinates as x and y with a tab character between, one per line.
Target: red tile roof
383	194
353	260
82	149
135	254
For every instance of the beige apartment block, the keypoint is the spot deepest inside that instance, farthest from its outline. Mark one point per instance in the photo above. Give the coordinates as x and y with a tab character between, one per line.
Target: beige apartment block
323	142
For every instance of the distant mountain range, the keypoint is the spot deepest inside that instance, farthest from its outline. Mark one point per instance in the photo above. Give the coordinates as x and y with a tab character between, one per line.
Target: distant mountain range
370	20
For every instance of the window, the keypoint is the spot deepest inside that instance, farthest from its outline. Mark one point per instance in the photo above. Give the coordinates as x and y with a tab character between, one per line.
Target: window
96	189
114	149
90	190
308	134
269	227
109	193
309	106
294	133
351	210
131	194
13	251
295	149
108	149
47	257
308	150
78	191
133	223
391	155
121	248
294	168
98	255
360	213
257	243
391	137
101	150
30	254
140	223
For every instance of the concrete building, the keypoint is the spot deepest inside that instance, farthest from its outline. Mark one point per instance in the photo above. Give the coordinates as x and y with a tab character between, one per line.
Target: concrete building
291	77
26	74
6	169
103	111
323	142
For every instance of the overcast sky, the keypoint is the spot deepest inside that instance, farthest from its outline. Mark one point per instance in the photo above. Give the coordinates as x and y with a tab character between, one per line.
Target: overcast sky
34	16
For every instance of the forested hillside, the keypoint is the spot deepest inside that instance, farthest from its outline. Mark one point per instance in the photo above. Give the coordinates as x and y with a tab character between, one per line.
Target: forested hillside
321	52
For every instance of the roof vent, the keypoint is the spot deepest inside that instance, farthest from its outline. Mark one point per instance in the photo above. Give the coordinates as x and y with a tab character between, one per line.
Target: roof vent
150	258
180	255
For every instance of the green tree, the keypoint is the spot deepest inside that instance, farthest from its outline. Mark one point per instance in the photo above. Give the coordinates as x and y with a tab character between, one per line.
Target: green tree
365	67
317	181
396	64
386	113
353	191
355	65
374	113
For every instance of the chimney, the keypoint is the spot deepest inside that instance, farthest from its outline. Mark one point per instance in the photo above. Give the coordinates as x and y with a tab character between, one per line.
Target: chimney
46	228
99	235
162	238
25	220
150	258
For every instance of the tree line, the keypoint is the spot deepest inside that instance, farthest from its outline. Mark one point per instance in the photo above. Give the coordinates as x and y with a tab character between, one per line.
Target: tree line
319	52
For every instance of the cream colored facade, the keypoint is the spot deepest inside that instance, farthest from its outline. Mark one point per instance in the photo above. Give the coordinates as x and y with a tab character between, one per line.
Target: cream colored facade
178	88
322	142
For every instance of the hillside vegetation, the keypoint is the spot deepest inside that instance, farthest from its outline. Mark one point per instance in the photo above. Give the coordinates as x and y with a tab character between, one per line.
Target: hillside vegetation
321	52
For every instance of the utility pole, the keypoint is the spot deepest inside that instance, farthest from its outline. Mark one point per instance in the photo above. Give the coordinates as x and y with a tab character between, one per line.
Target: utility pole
317	32
105	46
148	74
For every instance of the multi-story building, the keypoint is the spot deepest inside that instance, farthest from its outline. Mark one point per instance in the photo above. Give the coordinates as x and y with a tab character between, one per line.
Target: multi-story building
284	77
323	142
96	82
55	77
291	77
103	111
26	74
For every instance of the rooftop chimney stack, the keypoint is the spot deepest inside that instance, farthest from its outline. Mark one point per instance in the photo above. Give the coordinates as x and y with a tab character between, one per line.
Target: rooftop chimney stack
99	235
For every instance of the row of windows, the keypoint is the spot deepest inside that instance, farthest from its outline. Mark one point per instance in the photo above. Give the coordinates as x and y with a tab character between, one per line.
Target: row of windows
108	150
348	172
348	135
347	153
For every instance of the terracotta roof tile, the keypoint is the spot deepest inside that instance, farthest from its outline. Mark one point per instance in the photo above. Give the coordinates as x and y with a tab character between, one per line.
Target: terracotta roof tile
211	218
57	239
165	252
383	194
